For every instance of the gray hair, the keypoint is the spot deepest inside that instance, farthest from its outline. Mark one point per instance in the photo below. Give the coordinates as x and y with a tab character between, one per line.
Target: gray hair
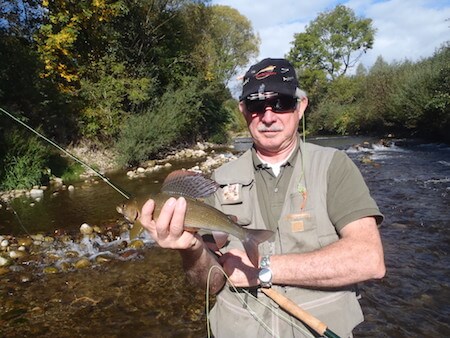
300	94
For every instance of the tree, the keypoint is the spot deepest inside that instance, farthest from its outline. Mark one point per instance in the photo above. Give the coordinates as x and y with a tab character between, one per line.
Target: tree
332	43
231	40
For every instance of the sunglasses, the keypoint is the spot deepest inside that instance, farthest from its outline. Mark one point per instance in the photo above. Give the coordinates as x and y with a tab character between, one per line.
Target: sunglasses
279	104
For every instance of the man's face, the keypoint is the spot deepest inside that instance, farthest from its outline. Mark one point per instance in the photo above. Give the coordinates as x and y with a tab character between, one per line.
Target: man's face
272	132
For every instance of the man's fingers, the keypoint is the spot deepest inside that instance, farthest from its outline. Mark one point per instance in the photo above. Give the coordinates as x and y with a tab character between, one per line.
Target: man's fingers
164	218
147	212
177	223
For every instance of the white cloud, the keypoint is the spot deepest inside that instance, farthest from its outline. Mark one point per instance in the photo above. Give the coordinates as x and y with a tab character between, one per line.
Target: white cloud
410	29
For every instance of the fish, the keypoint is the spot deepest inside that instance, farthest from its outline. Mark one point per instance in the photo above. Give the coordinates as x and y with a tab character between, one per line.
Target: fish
199	215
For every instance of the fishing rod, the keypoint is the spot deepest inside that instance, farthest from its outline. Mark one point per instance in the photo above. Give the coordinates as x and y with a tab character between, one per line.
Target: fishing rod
103	177
285	303
295	310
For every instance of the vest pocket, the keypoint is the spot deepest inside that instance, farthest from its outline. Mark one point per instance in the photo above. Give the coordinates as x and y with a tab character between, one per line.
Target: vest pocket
298	232
240	206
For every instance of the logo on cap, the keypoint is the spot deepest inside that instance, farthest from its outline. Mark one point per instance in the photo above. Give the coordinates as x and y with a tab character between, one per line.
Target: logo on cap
265	72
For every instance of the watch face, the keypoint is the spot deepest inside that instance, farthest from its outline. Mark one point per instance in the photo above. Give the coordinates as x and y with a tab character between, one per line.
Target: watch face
265	275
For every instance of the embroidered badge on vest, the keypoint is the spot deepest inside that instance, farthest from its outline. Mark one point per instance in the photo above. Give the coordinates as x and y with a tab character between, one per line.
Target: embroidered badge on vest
231	193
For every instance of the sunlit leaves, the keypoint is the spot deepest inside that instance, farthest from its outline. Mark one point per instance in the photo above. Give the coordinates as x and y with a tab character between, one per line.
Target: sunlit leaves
333	42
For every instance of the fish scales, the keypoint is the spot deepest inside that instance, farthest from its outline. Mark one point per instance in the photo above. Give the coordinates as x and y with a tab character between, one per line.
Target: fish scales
198	214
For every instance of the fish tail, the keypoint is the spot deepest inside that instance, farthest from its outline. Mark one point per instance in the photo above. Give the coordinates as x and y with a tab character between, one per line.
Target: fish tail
251	241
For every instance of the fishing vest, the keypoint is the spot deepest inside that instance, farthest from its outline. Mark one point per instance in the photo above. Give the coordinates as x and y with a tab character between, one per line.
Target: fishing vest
235	314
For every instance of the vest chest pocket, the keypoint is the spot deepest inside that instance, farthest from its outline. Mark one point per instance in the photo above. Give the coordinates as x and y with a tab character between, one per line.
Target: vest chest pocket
235	200
298	228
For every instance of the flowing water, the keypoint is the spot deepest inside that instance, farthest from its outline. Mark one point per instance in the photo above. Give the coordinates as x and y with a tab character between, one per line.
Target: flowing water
147	296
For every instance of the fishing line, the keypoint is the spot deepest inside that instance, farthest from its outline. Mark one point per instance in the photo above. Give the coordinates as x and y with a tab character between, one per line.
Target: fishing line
236	293
286	318
275	311
18	219
104	178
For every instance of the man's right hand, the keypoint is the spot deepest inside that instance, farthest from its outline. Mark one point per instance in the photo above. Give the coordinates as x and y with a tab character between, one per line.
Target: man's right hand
168	230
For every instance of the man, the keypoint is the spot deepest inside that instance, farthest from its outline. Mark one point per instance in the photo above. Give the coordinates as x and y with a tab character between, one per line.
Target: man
313	198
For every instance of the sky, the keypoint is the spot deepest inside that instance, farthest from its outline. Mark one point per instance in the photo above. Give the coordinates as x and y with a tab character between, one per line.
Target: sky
406	29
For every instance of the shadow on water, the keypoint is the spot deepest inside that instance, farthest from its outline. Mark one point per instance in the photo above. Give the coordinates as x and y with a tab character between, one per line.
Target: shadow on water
148	295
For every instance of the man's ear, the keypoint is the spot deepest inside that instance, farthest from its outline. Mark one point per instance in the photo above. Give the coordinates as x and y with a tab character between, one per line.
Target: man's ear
303	103
242	107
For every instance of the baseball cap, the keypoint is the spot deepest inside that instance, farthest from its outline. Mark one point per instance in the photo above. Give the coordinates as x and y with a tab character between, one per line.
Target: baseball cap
269	75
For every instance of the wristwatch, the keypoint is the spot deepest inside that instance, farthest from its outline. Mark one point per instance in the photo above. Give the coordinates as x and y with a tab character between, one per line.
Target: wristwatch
265	274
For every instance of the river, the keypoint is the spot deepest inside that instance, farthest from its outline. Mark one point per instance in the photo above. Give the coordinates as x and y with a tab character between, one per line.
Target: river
147	296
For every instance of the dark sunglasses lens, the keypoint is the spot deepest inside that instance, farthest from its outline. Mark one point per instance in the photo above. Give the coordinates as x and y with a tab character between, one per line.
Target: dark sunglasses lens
255	106
284	103
279	104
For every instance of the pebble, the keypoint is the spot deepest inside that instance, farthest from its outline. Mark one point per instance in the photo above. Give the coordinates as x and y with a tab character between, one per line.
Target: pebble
4	261
16	254
82	263
86	229
72	254
25	241
102	259
37	237
50	270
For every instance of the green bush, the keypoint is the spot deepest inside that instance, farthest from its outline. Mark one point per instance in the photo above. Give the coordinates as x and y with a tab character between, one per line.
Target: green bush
23	160
183	115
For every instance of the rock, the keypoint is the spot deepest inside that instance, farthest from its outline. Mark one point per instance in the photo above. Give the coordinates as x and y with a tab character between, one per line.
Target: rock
25	278
36	193
140	170
72	254
16	254
71	188
82	263
37	237
4	261
4	244
102	259
57	180
86	229
48	239
97	229
3	270
50	270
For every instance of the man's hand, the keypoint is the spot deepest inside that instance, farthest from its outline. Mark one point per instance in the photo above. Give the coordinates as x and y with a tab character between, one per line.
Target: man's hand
168	230
239	269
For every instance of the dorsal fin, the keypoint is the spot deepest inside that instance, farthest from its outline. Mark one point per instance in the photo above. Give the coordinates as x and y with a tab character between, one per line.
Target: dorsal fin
188	183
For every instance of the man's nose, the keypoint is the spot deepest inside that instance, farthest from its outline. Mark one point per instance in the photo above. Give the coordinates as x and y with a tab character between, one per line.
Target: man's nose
269	116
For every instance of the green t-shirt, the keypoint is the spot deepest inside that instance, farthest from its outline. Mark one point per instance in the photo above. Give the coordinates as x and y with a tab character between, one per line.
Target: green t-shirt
348	197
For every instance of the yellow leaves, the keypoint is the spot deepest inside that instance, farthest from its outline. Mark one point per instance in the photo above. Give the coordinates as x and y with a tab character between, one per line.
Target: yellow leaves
209	75
99	3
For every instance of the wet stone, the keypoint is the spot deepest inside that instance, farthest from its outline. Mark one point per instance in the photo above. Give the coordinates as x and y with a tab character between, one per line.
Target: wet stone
72	254
50	270
102	259
25	241
82	263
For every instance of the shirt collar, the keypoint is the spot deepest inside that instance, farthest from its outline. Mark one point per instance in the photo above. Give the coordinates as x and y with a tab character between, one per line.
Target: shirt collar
258	164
